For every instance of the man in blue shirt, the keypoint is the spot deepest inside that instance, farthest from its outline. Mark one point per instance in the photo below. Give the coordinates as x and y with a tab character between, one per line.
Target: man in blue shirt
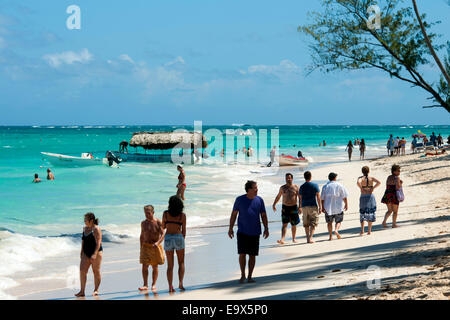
310	204
250	207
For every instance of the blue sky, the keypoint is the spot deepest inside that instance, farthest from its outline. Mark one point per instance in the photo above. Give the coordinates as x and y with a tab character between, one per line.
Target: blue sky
173	62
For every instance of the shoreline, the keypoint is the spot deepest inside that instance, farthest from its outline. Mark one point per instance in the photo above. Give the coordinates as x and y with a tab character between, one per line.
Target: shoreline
123	271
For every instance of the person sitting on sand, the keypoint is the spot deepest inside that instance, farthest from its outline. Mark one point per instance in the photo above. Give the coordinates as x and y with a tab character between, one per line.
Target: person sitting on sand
310	204
174	220
393	183
367	203
349	148
300	154
333	196
250	207
36	178
289	211
181	186
50	175
151	254
362	149
91	253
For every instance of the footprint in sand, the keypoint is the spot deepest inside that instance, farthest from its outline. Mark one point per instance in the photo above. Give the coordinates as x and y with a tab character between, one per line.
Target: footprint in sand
320	277
336	270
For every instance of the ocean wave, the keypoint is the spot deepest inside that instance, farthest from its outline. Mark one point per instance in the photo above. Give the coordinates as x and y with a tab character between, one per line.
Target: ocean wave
107	236
7	147
19	251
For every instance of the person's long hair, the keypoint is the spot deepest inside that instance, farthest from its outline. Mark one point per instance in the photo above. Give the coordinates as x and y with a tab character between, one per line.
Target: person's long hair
176	206
90	216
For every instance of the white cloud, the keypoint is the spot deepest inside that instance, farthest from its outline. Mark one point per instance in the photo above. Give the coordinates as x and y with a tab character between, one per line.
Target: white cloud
68	57
126	57
284	69
177	61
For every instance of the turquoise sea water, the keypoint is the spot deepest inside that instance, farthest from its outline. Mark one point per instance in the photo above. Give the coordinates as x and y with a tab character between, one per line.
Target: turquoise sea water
38	220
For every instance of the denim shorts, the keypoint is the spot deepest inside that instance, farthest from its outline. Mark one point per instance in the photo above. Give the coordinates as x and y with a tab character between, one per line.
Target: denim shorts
173	242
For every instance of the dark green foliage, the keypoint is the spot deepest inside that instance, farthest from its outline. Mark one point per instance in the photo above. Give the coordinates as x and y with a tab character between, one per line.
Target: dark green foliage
343	41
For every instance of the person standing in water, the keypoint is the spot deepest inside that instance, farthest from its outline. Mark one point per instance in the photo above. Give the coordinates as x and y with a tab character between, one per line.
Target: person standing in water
174	221
181	186
91	253
289	211
50	175
349	148
367	203
362	149
36	178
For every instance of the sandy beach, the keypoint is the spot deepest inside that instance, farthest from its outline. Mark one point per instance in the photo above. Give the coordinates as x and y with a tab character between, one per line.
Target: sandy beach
411	262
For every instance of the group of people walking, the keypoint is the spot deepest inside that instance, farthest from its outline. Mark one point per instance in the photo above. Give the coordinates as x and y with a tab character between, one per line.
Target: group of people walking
396	146
249	211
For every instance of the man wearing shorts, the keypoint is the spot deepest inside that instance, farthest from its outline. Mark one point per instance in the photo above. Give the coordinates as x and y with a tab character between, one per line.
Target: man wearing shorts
333	196
151	254
250	207
289	211
310	205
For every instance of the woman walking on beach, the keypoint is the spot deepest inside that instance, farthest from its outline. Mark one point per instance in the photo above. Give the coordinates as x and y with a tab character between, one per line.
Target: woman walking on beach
181	186
174	221
91	253
367	203
362	149
390	198
349	148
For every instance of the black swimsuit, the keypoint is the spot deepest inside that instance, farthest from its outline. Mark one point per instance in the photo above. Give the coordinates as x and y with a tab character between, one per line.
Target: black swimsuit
89	244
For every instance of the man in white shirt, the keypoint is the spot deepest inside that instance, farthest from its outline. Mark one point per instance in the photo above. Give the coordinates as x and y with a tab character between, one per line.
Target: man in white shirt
333	196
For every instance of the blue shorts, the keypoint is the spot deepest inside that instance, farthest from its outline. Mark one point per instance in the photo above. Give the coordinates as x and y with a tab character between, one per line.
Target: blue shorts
173	242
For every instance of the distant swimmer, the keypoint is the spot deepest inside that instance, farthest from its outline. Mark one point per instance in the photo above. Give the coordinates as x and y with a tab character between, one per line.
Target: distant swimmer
36	178
324	143
50	175
289	211
123	147
181	186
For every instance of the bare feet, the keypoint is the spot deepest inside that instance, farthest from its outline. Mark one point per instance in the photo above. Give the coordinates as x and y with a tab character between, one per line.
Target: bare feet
181	287
154	289
95	293
394	226
368	233
384	224
280	242
362	233
143	288
294	241
311	241
250	280
330	238
171	289
79	294
242	280
337	234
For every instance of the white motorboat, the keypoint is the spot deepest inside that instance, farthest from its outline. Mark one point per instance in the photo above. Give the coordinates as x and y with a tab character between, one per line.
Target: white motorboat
57	159
285	160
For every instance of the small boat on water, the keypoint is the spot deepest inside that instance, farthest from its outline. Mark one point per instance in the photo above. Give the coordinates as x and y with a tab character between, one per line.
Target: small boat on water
161	147
285	160
57	159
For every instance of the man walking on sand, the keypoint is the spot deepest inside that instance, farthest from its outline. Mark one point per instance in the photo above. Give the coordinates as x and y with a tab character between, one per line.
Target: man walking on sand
333	196
310	204
152	254
250	207
289	211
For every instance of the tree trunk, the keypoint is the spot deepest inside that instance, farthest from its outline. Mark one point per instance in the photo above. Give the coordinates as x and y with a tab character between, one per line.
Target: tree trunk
427	40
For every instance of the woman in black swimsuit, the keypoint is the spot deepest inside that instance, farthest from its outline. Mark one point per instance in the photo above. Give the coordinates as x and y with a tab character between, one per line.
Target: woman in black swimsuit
91	252
349	148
